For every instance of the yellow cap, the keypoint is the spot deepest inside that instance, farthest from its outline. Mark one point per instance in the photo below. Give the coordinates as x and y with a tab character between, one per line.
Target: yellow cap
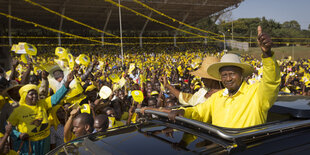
114	78
90	88
85	108
61	53
286	90
25	48
197	87
154	92
83	60
137	96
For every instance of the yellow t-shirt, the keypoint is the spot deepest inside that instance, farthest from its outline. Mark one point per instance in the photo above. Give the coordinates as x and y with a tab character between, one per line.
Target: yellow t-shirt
24	116
72	137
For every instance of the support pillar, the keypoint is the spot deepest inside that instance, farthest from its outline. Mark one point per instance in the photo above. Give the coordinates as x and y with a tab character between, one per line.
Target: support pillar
143	28
105	25
175	34
10	25
60	26
121	30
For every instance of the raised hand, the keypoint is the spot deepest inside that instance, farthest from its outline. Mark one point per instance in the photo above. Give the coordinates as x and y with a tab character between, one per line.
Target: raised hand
75	112
70	77
8	128
163	80
44	74
264	40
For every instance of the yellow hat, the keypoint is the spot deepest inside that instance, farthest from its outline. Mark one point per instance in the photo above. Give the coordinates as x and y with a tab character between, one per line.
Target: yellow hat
90	88
83	60
85	108
70	59
61	53
105	92
286	90
114	78
25	48
197	87
137	96
154	92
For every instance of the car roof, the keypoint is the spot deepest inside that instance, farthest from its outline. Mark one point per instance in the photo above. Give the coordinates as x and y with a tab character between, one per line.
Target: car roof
295	106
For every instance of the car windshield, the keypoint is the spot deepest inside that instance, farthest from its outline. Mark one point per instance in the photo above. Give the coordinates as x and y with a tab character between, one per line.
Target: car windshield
151	136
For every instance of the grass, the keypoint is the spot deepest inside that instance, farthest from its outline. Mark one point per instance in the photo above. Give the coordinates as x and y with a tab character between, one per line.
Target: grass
280	52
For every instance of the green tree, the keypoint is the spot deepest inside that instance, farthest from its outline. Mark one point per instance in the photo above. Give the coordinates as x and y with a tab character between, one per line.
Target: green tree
293	24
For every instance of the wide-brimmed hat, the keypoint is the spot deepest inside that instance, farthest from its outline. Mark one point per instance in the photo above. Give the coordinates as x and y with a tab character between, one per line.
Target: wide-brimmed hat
11	92
202	71
230	60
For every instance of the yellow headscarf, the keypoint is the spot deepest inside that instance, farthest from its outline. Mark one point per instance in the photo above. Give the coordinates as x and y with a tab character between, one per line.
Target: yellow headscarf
23	91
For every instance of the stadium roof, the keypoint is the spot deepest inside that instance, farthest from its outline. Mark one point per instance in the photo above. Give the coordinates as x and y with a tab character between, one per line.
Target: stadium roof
96	13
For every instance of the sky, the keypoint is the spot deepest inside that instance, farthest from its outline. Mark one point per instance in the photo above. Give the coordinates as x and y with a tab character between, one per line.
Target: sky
279	10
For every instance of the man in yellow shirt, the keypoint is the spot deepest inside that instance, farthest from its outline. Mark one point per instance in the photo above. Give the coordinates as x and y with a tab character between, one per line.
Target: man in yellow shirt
239	105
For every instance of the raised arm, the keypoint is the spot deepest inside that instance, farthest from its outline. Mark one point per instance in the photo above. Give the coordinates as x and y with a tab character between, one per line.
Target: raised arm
26	75
269	87
13	69
60	94
43	90
68	126
8	130
174	91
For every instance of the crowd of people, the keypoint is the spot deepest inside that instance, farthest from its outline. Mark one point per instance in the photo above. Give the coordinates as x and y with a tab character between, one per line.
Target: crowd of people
50	99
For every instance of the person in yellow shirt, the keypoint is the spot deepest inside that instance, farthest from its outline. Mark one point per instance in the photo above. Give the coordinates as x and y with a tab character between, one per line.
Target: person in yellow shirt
31	118
239	105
